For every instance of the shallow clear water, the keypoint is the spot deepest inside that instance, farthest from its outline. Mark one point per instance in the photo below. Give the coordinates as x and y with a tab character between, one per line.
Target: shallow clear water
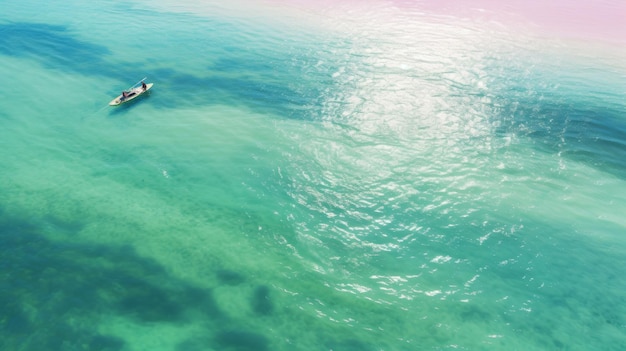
329	176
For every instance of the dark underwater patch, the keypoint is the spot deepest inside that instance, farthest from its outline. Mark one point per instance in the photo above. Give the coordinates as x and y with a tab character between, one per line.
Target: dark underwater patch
197	344
58	47
105	343
261	301
54	293
594	134
53	46
241	340
265	96
472	314
229	277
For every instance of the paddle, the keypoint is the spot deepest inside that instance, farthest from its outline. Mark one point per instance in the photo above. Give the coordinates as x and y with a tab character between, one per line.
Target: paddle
132	86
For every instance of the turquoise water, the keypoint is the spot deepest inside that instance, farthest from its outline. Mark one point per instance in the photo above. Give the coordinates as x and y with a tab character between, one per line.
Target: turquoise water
307	177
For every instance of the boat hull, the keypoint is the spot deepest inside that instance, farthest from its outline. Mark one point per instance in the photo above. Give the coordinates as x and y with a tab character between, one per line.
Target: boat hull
132	95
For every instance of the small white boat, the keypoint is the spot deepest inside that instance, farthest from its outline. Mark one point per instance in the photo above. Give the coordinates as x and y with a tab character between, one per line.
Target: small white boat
134	92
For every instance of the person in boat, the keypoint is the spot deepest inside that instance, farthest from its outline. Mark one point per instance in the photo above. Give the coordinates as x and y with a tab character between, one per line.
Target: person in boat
124	95
144	86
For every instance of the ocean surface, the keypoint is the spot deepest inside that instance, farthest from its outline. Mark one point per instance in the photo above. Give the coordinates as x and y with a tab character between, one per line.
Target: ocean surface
331	175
